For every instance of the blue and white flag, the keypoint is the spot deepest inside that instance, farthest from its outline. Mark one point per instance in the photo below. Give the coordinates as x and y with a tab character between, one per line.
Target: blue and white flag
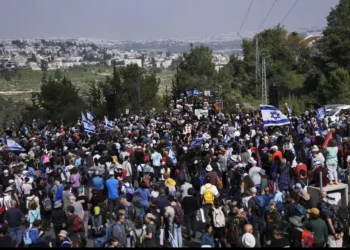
272	116
90	116
197	142
172	156
172	240
13	146
196	92
88	126
321	112
109	124
188	93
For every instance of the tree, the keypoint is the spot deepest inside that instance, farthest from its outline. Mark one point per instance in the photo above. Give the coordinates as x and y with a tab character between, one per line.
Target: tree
195	70
44	65
60	100
58	75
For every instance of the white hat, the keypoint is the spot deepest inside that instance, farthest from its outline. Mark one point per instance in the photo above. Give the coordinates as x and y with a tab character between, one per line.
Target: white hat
248	240
65	148
6	171
209	168
11	181
251	160
70	167
25	172
206	146
63	233
274	147
111	172
253	190
185	149
195	162
315	148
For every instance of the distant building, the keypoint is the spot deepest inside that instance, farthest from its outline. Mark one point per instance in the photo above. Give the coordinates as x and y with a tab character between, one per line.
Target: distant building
133	61
312	39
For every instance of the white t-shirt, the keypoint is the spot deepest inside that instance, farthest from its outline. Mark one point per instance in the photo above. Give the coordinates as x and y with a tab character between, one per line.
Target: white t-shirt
254	174
213	189
156	159
162	171
7	201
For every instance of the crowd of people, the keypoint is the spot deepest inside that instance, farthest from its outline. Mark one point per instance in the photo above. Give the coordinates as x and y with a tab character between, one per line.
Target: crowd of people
156	180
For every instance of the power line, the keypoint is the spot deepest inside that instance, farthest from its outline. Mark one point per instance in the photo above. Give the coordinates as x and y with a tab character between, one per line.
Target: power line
295	3
245	17
268	13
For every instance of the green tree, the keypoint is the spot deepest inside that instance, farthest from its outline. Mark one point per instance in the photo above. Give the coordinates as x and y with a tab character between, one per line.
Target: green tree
60	100
44	65
58	75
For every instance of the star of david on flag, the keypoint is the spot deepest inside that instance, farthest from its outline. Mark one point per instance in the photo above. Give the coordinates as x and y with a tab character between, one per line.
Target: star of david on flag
272	116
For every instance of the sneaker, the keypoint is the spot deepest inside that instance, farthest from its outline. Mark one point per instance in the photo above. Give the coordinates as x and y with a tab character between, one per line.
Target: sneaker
330	183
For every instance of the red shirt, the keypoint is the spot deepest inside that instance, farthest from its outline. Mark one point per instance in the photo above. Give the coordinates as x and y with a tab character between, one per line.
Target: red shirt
278	154
299	167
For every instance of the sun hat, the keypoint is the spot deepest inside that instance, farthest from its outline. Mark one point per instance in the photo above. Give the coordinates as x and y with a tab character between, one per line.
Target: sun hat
313	211
11	181
6	171
274	147
57	204
248	240
170	182
296	220
8	189
298	187
111	172
63	233
209	168
315	148
150	216
305	195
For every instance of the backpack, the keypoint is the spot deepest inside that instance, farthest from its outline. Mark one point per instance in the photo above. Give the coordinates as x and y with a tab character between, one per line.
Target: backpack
208	195
59	194
322	206
181	175
260	201
300	210
26	238
98	228
307	238
78	223
139	239
179	214
47	204
110	231
339	218
234	232
218	217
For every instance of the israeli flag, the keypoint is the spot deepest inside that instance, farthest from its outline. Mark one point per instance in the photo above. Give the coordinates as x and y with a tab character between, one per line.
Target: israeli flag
272	116
88	126
90	116
172	156
188	93
109	124
172	240
321	112
197	142
196	92
13	146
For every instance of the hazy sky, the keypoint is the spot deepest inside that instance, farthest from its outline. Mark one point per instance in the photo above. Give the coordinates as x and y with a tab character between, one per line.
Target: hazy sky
151	19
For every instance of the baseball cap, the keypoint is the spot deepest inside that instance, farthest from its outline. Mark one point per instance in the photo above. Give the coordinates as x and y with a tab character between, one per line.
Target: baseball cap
313	211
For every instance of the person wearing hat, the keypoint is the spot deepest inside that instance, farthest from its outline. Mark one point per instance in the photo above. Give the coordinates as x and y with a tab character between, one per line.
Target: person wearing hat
58	216
150	237
5	177
295	230
7	198
254	173
317	169
318	226
248	240
98	224
212	174
276	153
279	241
317	155
64	240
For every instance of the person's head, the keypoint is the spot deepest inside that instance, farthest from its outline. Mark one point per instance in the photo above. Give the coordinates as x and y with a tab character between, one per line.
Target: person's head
62	235
70	210
138	224
67	187
80	191
57	181
171	198
208	229
332	143
207	179
294	196
113	242
150	218
121	218
14	203
123	199
278	233
314	213
143	185
72	199
216	203
302	173
272	204
36	223
248	228
253	191
190	191
161	191
33	206
266	190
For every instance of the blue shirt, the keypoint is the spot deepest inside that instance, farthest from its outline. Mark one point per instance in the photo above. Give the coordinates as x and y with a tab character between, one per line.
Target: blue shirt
98	183
144	194
112	187
78	162
207	240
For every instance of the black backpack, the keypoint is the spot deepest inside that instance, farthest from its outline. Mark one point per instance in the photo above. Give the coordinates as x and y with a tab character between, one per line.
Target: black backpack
97	227
339	217
234	232
139	239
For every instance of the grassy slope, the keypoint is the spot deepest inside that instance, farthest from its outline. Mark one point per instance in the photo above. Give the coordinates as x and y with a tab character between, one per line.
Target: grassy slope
28	80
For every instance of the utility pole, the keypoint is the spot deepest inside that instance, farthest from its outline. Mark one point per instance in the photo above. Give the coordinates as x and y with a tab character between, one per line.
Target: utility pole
220	95
257	63
263	81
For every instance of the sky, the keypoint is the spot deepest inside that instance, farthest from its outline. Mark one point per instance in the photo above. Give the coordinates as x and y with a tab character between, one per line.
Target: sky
153	19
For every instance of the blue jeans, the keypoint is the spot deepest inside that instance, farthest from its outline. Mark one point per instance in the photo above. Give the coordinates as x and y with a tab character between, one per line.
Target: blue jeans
16	231
142	212
177	235
98	242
